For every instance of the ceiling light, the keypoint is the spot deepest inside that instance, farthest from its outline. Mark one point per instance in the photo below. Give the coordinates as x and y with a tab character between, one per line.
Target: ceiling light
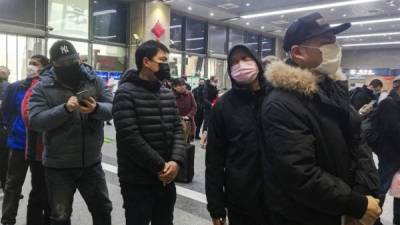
190	8
308	8
367	35
372	44
344	15
361	39
393	26
282	16
398	9
390	38
371	21
247	4
262	27
369	28
212	14
333	10
247	23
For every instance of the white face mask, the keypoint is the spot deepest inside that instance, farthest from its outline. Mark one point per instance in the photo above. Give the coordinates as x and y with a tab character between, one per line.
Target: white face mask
32	71
331	58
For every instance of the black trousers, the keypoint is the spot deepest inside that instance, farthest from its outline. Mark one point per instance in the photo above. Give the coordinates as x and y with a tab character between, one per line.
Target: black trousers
91	183
144	204
199	118
38	212
242	219
17	168
4	152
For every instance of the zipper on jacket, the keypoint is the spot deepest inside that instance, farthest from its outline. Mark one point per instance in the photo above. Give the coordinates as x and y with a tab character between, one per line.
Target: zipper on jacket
83	140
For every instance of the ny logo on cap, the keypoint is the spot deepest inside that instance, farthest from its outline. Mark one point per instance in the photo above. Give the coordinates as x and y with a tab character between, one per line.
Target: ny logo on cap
64	49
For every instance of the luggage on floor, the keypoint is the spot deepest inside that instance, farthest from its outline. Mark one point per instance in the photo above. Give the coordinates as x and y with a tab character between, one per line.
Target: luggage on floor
186	171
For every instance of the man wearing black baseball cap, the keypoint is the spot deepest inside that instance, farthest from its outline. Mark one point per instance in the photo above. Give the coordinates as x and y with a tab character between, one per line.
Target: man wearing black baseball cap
316	172
69	106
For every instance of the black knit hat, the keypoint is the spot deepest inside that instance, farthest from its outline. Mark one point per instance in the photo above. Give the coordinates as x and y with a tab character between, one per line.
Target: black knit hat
62	50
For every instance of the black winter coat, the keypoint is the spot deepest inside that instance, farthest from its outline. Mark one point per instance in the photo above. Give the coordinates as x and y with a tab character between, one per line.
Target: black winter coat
361	97
233	155
198	96
149	131
388	126
210	93
315	168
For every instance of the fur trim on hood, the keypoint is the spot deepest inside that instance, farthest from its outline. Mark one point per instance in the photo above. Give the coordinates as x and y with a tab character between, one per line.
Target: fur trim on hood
281	75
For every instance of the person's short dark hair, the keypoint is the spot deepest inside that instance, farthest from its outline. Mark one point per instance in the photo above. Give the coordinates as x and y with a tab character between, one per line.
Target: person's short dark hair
148	49
376	83
178	82
42	59
213	78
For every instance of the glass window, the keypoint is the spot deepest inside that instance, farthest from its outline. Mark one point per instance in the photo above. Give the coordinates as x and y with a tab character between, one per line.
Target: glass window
194	66
216	39
12	57
109	18
176	32
81	47
267	46
175	63
235	37
18	51
24	13
218	68
252	42
69	18
109	58
195	36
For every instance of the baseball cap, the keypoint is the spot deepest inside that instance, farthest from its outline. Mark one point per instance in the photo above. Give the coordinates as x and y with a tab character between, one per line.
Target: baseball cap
308	27
396	82
63	50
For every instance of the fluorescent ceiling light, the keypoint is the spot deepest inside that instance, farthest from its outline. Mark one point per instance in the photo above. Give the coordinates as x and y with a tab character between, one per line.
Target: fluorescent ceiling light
307	8
105	12
370	21
195	39
175	26
372	44
367	35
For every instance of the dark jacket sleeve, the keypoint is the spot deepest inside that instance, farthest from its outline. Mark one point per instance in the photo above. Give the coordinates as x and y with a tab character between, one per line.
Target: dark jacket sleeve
178	147
129	140
43	118
295	165
207	103
104	103
388	118
215	164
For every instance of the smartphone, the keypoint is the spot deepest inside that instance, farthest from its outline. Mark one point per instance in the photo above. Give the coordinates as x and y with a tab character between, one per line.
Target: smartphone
82	95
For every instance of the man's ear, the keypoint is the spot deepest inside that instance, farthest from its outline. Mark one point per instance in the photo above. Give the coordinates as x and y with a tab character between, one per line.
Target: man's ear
297	54
146	62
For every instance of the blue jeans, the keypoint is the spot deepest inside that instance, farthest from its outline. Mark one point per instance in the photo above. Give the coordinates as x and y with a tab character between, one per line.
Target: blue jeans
91	183
386	172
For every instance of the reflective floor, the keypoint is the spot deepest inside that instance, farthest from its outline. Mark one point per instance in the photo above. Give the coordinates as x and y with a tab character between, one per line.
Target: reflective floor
190	208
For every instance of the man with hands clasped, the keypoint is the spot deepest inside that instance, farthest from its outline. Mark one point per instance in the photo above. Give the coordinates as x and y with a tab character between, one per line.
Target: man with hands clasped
150	143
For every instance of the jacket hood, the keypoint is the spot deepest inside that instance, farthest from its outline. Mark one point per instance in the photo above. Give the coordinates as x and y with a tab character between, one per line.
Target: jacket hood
292	78
260	67
132	76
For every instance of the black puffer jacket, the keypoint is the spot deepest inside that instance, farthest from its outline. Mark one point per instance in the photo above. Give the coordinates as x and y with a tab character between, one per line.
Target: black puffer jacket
388	127
315	168
233	156
149	131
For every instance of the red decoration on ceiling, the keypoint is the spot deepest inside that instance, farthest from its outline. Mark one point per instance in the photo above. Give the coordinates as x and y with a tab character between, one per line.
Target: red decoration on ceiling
158	30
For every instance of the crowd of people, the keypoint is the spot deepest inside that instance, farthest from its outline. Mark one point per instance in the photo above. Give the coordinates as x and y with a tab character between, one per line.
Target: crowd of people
287	145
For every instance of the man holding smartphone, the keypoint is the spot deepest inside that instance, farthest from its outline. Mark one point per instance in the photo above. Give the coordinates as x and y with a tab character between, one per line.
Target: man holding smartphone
69	106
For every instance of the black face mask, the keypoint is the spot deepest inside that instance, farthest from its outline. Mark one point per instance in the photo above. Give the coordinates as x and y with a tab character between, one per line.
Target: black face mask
164	72
69	75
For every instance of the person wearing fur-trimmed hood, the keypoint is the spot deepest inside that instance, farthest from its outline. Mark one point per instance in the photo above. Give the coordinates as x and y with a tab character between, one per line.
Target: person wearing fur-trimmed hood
315	169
